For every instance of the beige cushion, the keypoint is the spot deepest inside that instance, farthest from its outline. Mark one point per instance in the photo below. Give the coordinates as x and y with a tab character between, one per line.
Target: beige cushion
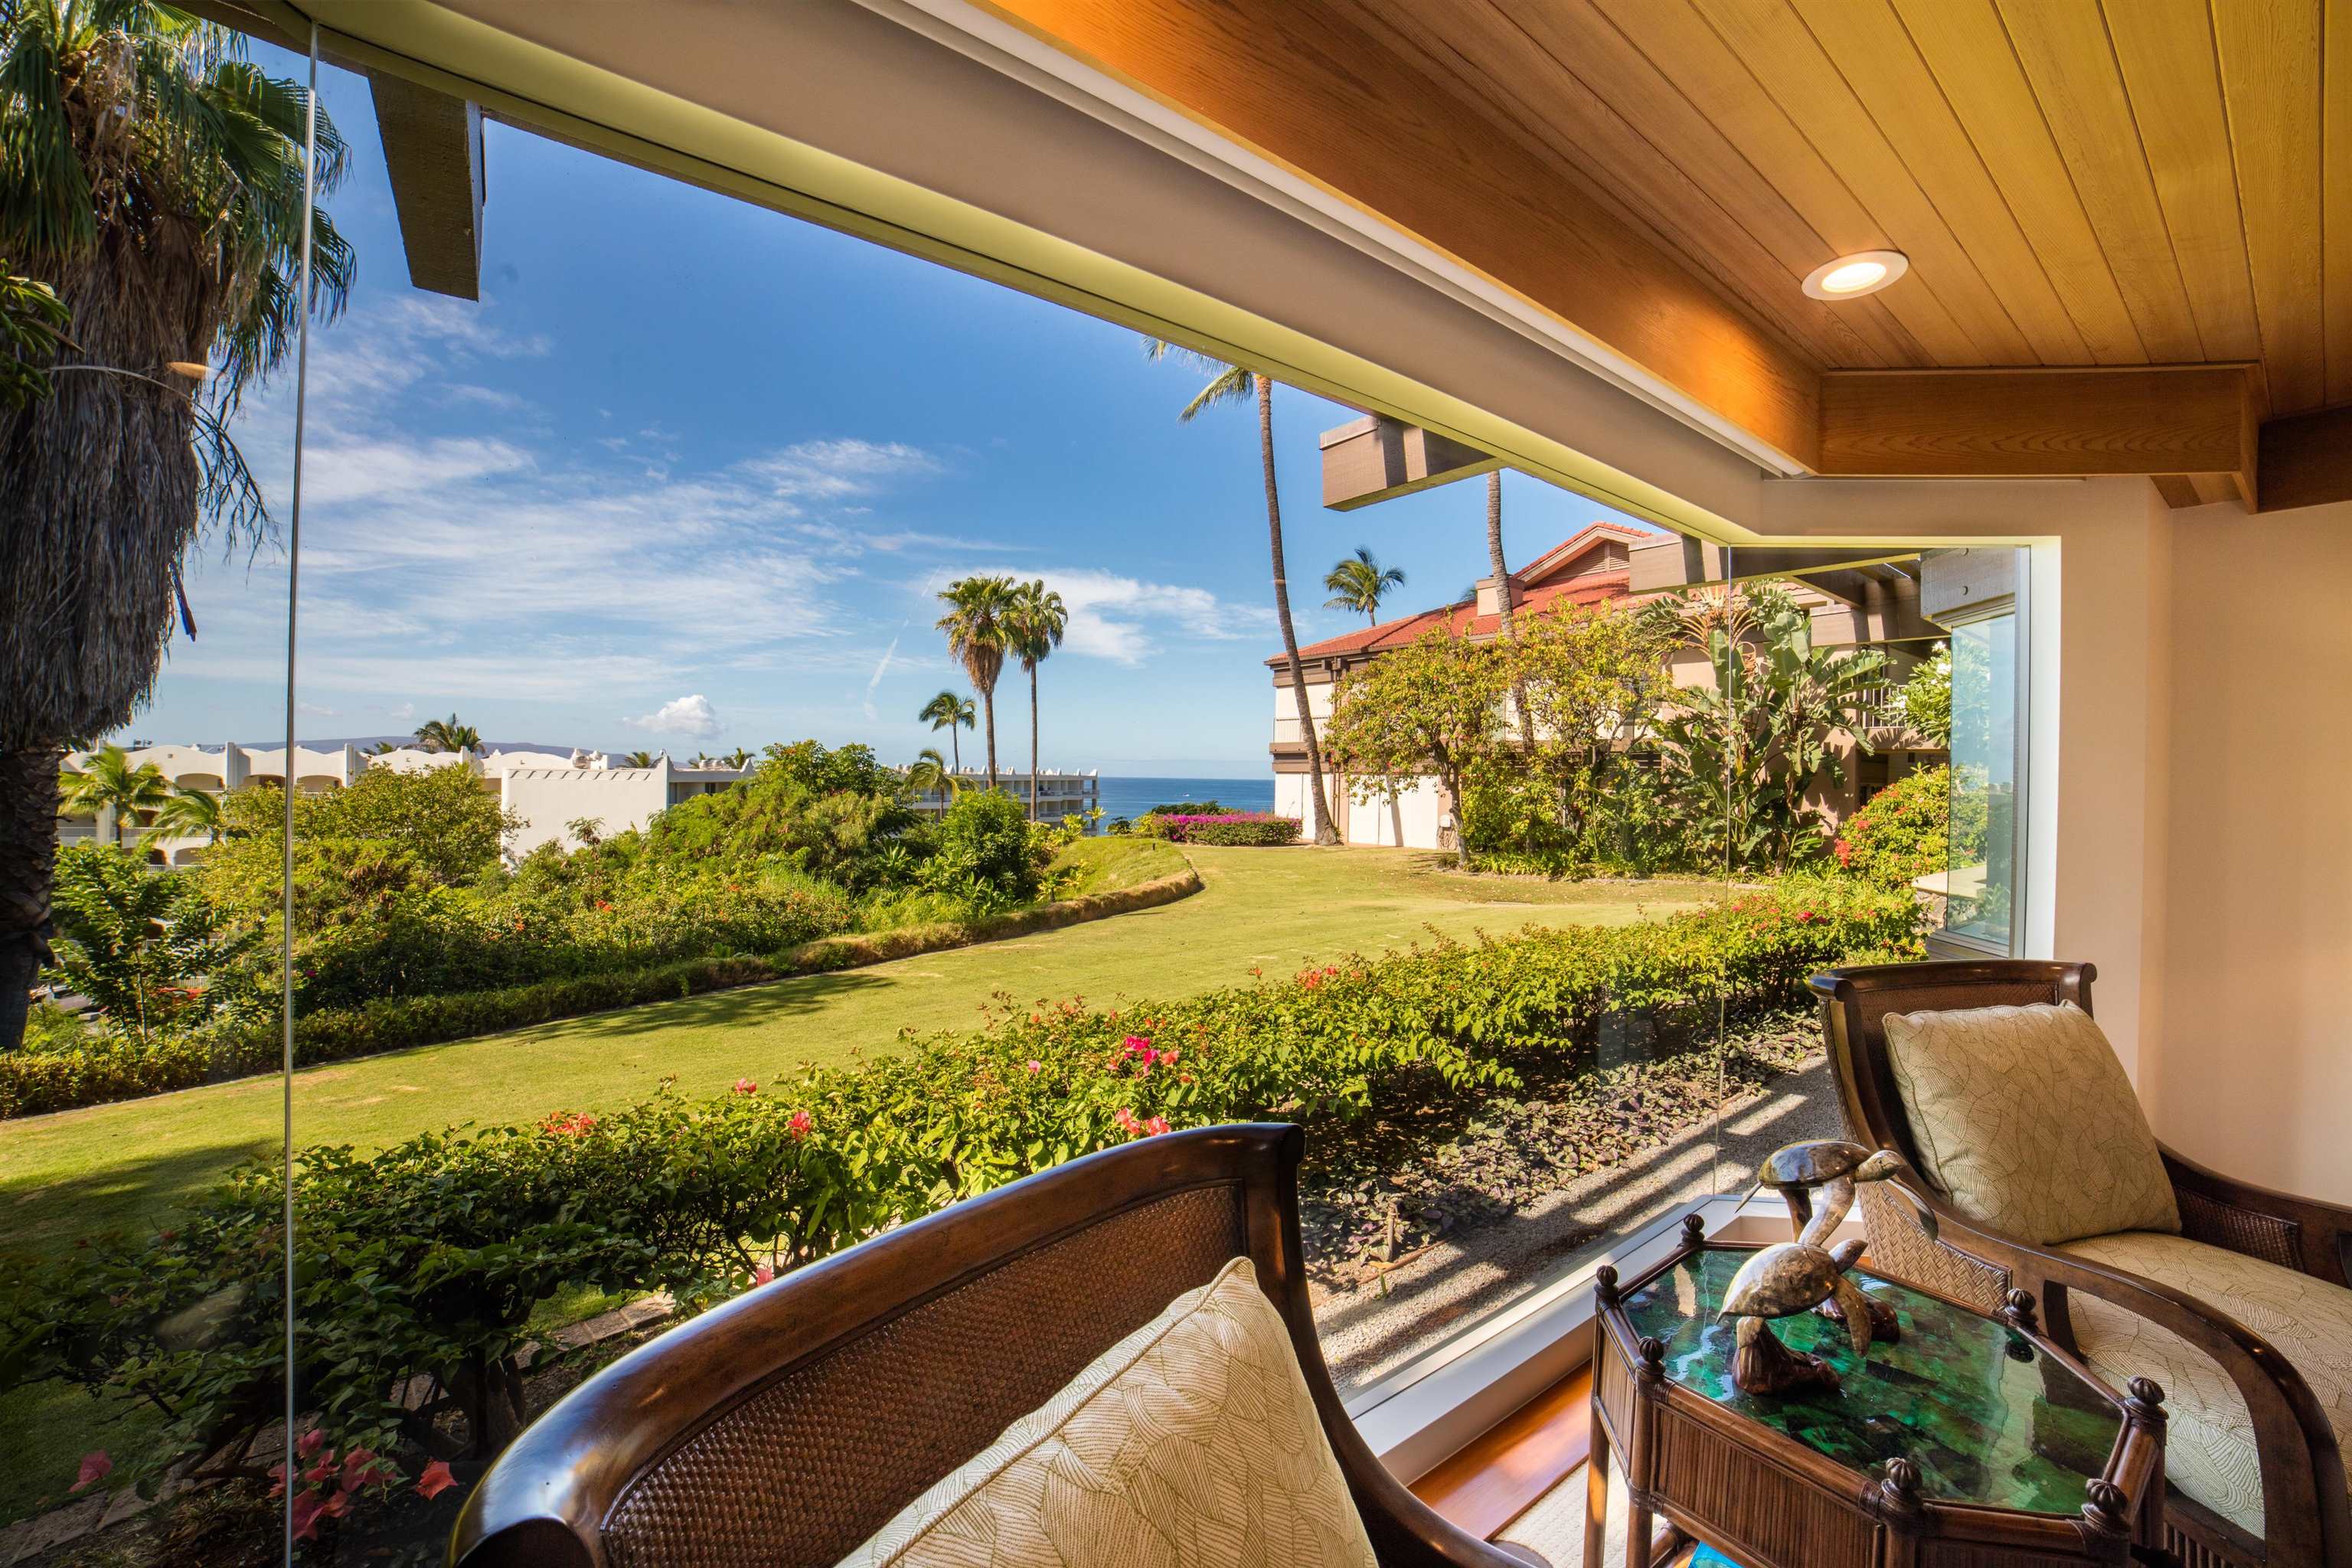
2209	1448
1193	1441
2024	1117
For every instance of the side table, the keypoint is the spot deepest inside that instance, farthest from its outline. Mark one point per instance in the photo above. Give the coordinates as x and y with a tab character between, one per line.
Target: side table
1970	1440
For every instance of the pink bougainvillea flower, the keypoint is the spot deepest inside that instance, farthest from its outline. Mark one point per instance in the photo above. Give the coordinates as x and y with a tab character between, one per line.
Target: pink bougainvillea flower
278	1472
799	1125
435	1480
1128	1123
307	1511
310	1442
764	1274
324	1469
96	1466
1156	1126
359	1469
1034	1065
745	1086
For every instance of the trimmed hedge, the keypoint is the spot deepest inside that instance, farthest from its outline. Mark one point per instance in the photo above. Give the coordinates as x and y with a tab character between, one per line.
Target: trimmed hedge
1232	827
102	1068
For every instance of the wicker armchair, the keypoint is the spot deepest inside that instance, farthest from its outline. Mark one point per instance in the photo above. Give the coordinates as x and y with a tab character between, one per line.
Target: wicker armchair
788	1426
2305	1516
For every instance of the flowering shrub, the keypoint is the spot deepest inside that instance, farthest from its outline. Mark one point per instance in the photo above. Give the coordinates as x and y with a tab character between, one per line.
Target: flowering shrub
1244	828
1902	833
418	1267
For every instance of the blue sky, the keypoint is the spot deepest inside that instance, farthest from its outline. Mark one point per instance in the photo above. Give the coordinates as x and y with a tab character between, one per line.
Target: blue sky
690	473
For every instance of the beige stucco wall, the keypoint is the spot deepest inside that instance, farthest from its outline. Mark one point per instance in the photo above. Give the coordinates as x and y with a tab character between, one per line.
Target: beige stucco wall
2252	1068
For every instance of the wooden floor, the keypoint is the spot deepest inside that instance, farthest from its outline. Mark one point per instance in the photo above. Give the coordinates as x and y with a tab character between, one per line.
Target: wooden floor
1493	1479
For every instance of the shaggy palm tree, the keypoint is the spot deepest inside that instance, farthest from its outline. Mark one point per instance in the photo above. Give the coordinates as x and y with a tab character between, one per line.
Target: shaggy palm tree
154	181
1359	583
976	627
1232	384
1033	629
107	780
447	735
190	814
953	713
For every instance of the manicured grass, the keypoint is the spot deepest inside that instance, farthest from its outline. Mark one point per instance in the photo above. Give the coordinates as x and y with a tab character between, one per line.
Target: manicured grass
1114	865
117	1165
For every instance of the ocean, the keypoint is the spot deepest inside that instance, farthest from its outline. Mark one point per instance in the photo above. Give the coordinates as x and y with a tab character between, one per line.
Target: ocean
1131	798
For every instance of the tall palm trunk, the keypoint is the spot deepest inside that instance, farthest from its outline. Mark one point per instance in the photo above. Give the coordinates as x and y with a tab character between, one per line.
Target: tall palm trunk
28	842
1318	804
1033	742
1503	601
988	708
955	744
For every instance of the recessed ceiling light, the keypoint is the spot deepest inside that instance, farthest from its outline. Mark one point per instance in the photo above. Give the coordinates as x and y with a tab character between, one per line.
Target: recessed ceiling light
1850	277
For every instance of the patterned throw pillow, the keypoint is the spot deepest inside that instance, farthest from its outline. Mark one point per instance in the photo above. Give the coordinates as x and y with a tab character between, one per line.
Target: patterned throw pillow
2025	1120
1192	1443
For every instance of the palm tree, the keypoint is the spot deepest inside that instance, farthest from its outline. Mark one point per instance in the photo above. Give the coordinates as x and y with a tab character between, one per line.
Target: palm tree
950	712
447	735
930	772
190	814
638	760
738	757
1033	629
1359	583
107	780
154	180
1232	384
976	627
1503	599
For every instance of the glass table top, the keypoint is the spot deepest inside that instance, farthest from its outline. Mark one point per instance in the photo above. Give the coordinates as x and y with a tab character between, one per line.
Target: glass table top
1987	1416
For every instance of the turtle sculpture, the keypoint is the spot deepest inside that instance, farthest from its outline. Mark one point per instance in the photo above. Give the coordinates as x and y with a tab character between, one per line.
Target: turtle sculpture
1806	1274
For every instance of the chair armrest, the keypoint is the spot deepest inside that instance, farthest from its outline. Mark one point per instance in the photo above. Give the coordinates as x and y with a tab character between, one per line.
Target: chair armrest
2301	1234
2306	1515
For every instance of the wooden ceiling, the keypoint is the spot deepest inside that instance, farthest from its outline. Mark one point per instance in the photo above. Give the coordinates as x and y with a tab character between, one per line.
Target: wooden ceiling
2080	185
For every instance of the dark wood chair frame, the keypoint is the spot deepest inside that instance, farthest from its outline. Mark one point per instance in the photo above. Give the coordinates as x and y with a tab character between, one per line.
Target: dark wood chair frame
550	1500
2306	1518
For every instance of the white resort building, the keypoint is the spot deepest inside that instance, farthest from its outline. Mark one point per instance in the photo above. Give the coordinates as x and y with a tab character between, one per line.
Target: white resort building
548	790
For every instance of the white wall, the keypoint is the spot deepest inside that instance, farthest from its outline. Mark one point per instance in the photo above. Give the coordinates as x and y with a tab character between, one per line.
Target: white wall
547	798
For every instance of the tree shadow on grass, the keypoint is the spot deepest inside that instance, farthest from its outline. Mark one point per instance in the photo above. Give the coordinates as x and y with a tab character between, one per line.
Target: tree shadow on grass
744	1005
41	1219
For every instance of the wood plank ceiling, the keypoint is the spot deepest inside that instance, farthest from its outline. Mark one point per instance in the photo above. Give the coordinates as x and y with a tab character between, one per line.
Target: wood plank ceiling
2077	183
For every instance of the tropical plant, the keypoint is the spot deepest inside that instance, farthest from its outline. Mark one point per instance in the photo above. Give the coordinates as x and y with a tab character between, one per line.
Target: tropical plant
32	317
953	713
984	855
154	180
1927	696
107	780
448	735
190	814
1740	755
1034	624
1428	707
1232	384
1903	833
638	760
1359	583
929	774
140	945
738	758
976	627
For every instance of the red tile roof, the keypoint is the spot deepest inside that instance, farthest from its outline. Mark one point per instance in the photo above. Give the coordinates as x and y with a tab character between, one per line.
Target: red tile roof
1538	586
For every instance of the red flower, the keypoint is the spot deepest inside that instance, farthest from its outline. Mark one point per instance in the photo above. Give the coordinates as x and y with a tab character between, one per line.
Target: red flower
763	1274
278	1471
310	1442
799	1125
307	1511
96	1466
324	1469
1128	1123
745	1086
435	1480
1035	1066
1156	1126
359	1469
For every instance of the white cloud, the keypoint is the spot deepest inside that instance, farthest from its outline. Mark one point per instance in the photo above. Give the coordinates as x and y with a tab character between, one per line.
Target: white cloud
689	716
835	469
313	711
404	712
1123	619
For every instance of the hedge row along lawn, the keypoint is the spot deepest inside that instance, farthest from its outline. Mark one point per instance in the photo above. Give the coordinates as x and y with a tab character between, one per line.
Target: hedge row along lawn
427	1261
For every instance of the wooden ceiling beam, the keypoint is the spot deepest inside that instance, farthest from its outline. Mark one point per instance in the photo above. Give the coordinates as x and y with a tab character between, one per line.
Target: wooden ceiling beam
1377	459
2306	460
433	152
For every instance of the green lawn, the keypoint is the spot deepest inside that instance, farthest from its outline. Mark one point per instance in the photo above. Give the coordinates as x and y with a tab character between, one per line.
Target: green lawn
111	1165
82	1170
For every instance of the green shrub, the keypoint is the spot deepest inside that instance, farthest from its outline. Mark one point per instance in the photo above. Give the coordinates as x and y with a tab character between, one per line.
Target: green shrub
142	945
1244	830
984	853
1903	834
418	1267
